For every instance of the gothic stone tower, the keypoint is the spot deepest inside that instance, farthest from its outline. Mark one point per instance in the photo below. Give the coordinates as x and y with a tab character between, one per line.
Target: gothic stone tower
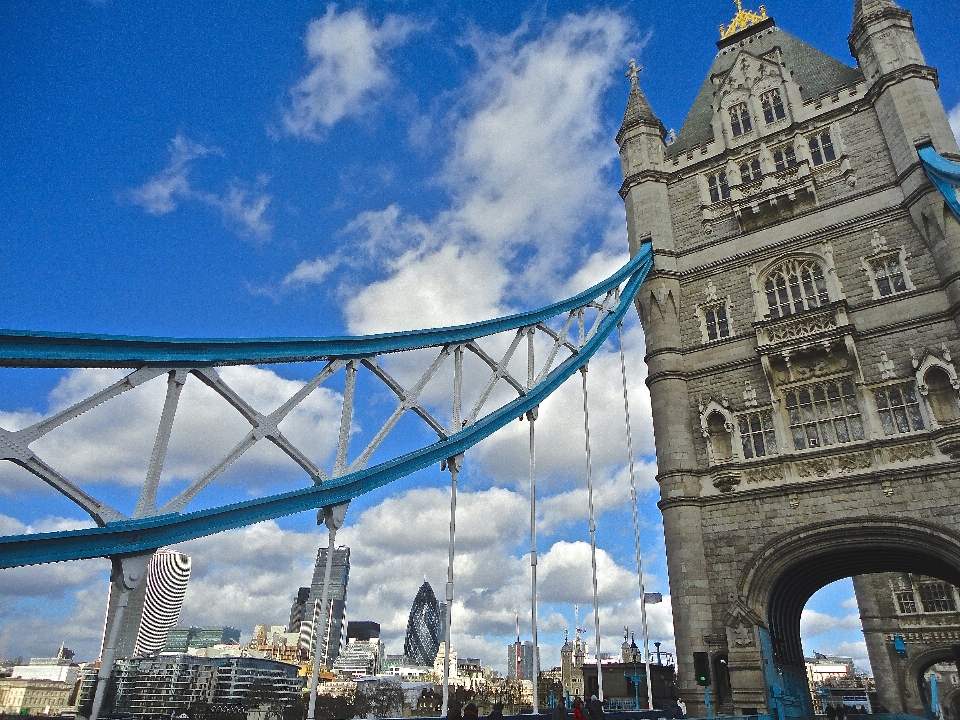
800	325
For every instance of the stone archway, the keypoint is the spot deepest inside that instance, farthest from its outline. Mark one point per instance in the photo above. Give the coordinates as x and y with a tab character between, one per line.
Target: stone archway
782	575
914	671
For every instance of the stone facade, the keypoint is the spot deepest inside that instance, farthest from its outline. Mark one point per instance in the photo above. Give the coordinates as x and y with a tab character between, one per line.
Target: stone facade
800	323
909	624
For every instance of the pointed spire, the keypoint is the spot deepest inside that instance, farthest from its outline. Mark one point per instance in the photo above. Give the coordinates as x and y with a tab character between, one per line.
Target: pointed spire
638	109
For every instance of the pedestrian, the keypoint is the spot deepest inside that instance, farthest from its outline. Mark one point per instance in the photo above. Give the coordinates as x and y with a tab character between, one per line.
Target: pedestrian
831	712
578	713
683	707
560	711
497	712
595	708
841	711
470	712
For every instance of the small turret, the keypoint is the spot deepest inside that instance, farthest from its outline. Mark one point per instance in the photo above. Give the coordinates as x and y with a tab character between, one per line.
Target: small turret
885	45
641	132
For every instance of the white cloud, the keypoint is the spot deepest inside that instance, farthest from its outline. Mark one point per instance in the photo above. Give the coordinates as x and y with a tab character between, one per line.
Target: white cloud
813	623
448	287
512	194
955	122
242	210
349	65
159	195
310	272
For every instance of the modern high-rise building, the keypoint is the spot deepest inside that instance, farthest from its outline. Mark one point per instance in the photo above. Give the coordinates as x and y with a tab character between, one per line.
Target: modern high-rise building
423	628
154	606
363	630
298	611
329	620
520	656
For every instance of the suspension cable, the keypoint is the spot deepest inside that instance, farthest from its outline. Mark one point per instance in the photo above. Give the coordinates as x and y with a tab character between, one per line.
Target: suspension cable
636	520
593	533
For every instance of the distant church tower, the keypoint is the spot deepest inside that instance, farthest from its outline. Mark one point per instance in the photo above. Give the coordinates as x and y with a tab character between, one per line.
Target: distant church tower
801	323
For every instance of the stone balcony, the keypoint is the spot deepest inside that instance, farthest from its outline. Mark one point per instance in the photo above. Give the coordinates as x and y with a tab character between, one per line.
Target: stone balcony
773	193
804	330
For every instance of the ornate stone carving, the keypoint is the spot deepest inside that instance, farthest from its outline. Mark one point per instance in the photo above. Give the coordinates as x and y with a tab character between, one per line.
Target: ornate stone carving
887	367
726	480
773	473
854	462
818	467
800	326
906	453
742	636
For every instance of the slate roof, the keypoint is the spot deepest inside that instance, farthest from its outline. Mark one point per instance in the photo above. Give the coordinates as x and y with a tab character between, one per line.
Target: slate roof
816	72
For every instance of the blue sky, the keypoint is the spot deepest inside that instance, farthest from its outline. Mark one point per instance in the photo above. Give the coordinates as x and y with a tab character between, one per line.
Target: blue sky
293	168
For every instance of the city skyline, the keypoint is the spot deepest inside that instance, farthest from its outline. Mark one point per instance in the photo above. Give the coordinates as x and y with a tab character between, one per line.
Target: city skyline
164	182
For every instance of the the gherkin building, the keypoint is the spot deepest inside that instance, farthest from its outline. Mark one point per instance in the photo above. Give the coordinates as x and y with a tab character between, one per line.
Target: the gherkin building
423	628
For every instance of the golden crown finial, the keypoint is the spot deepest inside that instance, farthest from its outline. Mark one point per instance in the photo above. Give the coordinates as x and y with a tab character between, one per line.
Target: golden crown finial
742	20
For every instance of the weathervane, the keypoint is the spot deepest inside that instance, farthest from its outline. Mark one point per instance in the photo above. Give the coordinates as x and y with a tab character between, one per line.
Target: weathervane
742	20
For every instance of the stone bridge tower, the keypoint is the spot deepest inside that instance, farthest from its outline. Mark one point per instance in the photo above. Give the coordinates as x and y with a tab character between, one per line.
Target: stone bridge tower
801	325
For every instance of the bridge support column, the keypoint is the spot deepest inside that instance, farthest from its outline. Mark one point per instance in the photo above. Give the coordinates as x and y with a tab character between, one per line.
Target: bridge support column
126	576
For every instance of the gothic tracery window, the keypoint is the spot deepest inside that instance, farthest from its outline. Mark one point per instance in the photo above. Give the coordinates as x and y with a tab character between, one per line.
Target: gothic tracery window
888	273
750	170
785	157
719	187
824	413
821	149
795	286
772	107
756	434
899	409
740	119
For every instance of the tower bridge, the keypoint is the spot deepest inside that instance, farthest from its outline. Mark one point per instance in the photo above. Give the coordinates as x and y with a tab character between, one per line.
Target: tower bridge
800	323
796	269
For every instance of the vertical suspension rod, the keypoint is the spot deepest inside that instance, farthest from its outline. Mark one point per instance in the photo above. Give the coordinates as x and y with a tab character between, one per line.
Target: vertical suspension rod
333	518
453	464
593	533
636	520
531	418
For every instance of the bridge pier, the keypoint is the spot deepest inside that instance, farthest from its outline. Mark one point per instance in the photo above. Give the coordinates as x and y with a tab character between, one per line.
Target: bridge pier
127	574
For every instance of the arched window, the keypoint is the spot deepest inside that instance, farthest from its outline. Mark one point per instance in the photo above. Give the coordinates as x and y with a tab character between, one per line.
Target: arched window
942	396
720	441
795	286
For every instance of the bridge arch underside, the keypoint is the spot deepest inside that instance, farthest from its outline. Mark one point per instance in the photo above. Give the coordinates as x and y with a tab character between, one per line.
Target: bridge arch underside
788	571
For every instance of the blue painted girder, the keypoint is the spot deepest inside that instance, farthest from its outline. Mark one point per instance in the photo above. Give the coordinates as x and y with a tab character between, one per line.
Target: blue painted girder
23	348
944	174
134	536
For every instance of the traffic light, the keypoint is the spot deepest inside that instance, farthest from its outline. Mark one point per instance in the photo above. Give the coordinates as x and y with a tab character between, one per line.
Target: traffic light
701	668
956	655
